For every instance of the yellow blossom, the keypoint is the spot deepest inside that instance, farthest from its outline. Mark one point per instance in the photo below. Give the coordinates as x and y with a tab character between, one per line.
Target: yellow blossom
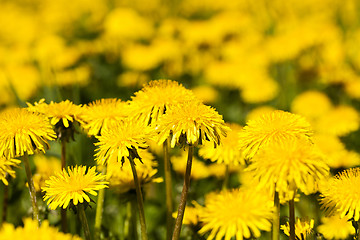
23	132
191	123
340	194
100	114
72	186
287	166
239	213
32	230
122	140
275	127
153	100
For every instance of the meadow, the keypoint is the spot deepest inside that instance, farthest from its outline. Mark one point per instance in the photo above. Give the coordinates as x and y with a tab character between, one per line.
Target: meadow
181	119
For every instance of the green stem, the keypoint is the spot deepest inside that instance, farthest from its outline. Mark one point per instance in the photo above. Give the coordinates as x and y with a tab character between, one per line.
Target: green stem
139	200
168	189
292	218
131	221
275	234
226	178
5	201
184	193
31	188
83	221
99	208
64	226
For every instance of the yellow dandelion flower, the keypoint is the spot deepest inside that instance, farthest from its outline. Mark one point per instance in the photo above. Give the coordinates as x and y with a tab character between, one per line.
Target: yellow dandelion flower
277	126
239	213
228	151
340	121
191	123
23	132
199	169
33	231
64	112
121	178
45	167
72	185
311	104
123	140
335	227
156	97
341	194
99	114
303	228
6	168
287	166
258	112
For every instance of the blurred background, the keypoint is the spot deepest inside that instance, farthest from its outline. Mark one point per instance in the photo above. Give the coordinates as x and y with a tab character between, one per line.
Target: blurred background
243	57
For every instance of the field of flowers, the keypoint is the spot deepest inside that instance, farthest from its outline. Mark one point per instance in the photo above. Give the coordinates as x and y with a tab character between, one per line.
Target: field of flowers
180	119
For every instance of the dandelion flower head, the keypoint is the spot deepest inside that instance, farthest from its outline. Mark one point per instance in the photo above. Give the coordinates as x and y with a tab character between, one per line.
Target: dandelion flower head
156	97
277	126
335	227
123	140
228	151
98	115
239	213
341	194
303	228
191	123
23	132
72	186
33	231
64	112
6	168
287	166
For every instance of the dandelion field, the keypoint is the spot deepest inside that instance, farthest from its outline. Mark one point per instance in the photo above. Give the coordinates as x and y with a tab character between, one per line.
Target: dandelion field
179	119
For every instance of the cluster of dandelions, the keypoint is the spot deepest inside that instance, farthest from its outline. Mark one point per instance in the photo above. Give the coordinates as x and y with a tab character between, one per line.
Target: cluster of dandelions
276	151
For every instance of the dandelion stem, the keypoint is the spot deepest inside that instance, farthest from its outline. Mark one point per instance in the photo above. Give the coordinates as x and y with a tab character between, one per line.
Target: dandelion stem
292	218
184	193
99	208
83	221
226	179
31	188
139	200
5	201
358	230
168	189
131	226
275	234
64	226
